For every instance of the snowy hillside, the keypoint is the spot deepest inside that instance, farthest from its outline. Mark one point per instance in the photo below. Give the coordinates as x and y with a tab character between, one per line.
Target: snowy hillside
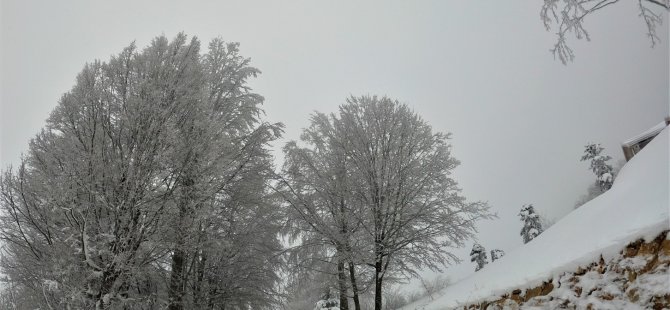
636	206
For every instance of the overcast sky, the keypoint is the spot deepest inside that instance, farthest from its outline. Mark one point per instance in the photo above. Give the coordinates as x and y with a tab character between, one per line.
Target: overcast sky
481	70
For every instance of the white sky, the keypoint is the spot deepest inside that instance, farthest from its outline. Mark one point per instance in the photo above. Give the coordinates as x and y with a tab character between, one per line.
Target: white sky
478	69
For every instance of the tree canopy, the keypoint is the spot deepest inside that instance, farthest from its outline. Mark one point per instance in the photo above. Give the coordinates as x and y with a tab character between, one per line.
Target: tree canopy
381	187
146	188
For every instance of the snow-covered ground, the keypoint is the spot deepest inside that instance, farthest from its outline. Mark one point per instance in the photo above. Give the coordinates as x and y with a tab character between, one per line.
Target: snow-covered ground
636	206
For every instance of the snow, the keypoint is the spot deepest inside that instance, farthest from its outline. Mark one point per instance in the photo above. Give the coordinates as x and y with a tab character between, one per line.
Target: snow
606	177
635	207
650	132
330	304
608	290
50	285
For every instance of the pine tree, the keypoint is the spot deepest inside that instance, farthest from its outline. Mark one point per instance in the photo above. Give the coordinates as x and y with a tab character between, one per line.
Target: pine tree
496	254
478	255
603	171
532	226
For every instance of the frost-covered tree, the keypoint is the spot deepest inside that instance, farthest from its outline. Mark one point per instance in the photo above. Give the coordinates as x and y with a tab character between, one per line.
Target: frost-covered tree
315	184
496	254
222	164
598	164
595	189
399	171
532	223
147	188
374	180
478	256
569	16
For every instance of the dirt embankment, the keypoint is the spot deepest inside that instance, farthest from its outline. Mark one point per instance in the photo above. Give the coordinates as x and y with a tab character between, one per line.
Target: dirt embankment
638	278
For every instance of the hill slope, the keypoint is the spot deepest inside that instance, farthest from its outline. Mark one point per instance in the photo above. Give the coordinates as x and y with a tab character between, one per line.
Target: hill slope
636	207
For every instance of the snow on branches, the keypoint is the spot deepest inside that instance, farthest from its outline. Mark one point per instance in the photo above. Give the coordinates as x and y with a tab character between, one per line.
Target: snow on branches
532	225
603	171
496	254
478	255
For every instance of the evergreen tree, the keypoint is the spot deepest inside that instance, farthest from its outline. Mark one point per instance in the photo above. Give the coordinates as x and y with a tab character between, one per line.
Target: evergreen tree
532	226
496	254
594	189
478	255
603	171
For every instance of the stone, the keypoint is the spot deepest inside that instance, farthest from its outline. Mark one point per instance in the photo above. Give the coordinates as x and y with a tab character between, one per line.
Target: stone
648	249
547	288
632	294
602	266
661	302
650	257
580	271
664	251
533	292
632	248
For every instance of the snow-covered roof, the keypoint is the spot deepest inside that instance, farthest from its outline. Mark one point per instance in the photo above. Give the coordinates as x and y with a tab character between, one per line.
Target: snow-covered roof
647	134
635	207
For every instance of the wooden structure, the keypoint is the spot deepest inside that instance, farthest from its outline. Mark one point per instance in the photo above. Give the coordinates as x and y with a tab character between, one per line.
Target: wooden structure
635	144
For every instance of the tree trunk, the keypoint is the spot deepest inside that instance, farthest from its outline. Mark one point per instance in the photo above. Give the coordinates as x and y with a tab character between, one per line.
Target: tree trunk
378	284
175	293
211	298
342	281
200	274
177	288
108	278
354	287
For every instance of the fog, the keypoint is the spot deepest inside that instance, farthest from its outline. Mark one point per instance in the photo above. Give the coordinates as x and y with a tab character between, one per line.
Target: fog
482	71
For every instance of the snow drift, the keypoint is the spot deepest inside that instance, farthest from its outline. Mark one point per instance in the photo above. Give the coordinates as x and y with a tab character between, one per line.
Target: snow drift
636	207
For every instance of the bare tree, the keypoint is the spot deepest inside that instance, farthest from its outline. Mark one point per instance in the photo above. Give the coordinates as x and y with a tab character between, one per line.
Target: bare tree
374	182
315	184
399	168
568	16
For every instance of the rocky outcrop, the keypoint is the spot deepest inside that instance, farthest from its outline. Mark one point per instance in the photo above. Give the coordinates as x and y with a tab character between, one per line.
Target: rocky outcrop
638	278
